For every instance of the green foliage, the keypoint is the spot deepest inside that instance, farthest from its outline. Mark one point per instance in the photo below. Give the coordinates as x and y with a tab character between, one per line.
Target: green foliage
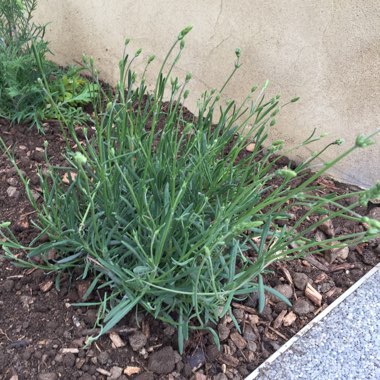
22	97
169	212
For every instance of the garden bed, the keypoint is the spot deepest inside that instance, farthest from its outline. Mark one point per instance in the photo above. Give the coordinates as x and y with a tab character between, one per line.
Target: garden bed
42	335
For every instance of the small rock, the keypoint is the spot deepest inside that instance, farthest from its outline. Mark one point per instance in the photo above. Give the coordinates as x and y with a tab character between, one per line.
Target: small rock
223	331
239	314
35	194
302	307
374	213
91	316
86	376
249	335
38	155
137	340
252	346
8	285
212	352
196	359
47	376
327	227
162	361
267	313
145	376
369	257
220	376
116	372
82	287
103	357
69	360
12	181
280	306
337	253
169	330
13	192
250	147
301	280
285	289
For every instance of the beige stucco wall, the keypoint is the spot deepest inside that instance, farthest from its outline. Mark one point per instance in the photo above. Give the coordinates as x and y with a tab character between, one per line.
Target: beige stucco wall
327	52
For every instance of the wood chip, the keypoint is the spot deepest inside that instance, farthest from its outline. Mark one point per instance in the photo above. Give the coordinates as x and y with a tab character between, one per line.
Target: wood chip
117	342
320	278
289	319
287	275
248	309
66	180
239	341
46	286
145	328
278	321
70	351
103	372
312	260
313	295
130	371
278	333
344	266
229	360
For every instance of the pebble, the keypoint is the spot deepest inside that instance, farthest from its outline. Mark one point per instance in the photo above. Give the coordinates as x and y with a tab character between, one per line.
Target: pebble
8	285
13	192
145	376
302	307
285	289
116	372
86	376
252	346
137	340
220	376
103	357
162	361
69	360
12	181
301	280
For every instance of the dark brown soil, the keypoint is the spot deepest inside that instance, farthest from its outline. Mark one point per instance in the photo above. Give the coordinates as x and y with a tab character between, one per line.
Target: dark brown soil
42	336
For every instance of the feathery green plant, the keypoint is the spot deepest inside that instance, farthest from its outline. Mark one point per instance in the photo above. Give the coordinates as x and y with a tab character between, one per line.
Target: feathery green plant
21	97
169	213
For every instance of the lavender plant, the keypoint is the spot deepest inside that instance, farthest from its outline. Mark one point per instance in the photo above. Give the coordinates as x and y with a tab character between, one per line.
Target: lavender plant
167	212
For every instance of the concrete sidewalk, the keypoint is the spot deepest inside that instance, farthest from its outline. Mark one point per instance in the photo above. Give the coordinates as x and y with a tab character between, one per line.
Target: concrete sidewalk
342	344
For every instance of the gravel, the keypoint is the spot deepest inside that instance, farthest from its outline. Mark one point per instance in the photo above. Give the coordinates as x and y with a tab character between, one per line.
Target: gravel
345	345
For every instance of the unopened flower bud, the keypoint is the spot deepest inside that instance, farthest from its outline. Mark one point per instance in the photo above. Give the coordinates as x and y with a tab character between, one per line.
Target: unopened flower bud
184	31
79	158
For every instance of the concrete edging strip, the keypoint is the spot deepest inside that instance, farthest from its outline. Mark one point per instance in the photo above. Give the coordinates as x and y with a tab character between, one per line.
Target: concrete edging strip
312	323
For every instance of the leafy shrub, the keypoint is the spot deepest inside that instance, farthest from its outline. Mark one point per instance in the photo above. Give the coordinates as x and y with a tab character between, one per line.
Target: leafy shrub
169	213
22	97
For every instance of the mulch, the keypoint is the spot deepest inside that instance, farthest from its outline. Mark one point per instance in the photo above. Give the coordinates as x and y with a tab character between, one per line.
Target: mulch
42	335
